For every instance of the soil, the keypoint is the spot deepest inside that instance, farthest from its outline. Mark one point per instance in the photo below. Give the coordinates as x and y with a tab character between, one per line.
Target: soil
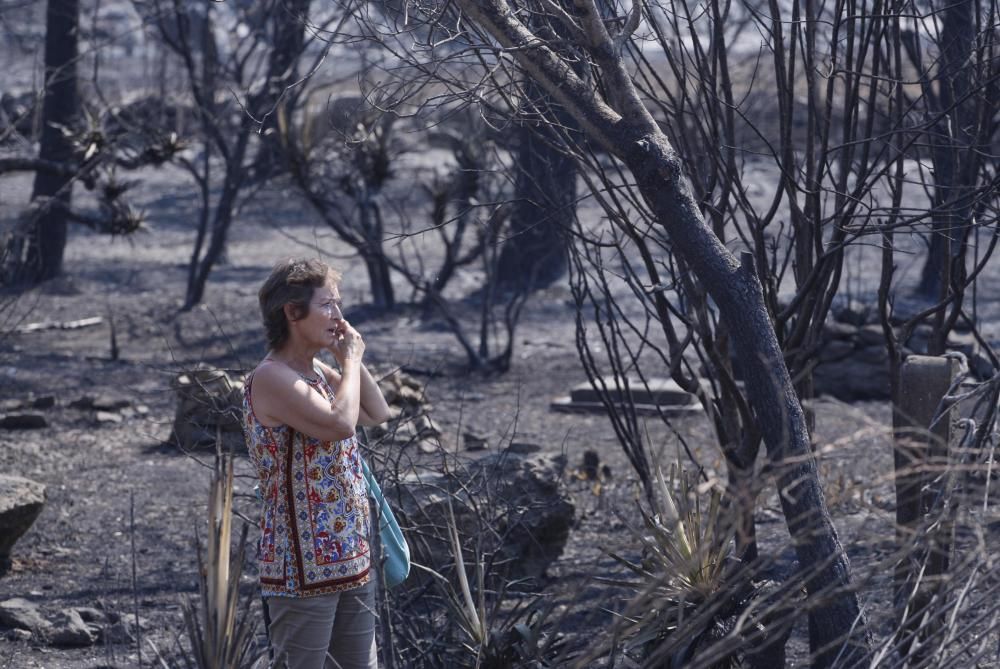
124	503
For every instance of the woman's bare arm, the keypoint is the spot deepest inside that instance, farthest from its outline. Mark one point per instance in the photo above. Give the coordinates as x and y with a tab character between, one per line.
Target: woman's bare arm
280	396
374	410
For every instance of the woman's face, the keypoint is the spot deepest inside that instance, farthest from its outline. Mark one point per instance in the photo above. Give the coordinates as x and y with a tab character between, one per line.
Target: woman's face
321	327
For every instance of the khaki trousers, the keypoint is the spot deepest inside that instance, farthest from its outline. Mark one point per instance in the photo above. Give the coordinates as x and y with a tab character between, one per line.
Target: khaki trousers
324	632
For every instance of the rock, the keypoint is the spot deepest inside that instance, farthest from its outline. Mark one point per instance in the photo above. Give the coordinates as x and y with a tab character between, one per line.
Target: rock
836	350
109	403
403	391
404	433
965	342
24	615
473	441
429	445
121	631
409	397
410	382
10	405
523	448
23	421
21	500
107	417
72	631
43	402
120	628
209	401
853	365
19	635
522	512
853	379
82	402
409	421
840	330
390	394
425	427
132	124
871	335
854	316
92	615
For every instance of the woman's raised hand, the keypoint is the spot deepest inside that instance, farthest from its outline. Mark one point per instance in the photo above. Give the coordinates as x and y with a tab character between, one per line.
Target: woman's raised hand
347	344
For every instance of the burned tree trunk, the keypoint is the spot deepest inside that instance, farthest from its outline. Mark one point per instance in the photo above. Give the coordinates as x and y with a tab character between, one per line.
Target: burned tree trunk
534	256
43	256
737	291
288	41
955	164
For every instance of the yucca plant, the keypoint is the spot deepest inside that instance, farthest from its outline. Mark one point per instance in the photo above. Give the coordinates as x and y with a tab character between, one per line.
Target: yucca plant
497	634
219	627
682	591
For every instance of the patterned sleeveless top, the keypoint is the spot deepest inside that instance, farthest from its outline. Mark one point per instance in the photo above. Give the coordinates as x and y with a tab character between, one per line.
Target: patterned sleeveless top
315	520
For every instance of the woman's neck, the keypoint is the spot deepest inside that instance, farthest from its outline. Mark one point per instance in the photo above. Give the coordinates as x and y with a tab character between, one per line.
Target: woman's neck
299	358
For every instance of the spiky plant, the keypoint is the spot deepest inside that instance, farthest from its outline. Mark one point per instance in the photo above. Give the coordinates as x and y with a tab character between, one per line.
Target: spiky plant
497	635
219	626
682	591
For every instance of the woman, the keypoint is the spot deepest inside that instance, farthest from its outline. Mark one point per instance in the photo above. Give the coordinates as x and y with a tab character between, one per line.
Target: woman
300	419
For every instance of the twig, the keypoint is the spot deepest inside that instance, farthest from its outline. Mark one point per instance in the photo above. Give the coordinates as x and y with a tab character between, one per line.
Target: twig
135	589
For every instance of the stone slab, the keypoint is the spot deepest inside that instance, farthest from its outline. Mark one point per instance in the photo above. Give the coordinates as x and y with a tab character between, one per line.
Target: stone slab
566	404
659	391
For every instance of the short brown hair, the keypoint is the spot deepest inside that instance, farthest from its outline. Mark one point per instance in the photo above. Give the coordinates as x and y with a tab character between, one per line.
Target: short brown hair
292	281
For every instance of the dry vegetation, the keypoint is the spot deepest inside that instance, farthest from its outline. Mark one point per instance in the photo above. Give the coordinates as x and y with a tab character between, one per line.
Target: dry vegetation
747	198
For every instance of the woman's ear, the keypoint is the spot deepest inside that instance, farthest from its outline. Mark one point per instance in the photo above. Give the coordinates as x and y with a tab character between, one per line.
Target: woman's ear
291	313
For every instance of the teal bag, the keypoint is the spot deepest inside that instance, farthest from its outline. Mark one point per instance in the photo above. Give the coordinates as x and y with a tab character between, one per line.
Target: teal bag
395	552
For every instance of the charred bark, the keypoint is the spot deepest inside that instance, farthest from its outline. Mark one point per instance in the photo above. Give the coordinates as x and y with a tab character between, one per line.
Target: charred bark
535	254
43	256
954	163
282	71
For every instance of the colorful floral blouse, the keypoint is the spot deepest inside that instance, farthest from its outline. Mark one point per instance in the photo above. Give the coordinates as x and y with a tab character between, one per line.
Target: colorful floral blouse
315	520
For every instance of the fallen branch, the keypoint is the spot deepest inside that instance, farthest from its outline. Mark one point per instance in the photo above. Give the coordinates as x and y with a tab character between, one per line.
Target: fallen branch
61	325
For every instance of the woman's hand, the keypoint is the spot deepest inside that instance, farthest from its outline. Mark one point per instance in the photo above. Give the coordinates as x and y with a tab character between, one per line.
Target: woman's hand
347	344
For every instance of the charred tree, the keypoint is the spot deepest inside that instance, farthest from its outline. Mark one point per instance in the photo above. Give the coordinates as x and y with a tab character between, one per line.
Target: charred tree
534	255
227	125
42	257
288	42
952	138
615	118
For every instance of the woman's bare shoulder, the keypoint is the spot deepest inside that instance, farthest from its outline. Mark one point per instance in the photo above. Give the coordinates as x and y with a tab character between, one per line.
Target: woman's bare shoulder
271	375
